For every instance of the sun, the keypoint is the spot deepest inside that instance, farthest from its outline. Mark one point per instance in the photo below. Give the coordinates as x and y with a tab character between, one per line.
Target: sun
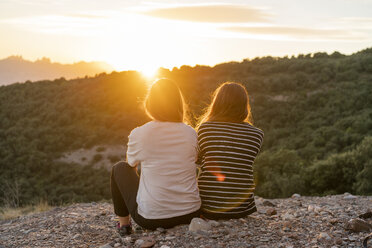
149	72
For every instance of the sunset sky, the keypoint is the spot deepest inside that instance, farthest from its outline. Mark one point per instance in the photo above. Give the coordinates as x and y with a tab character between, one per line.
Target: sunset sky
144	35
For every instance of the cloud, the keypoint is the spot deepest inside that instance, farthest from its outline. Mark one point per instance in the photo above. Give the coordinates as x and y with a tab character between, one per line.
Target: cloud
216	13
355	22
74	24
300	33
88	16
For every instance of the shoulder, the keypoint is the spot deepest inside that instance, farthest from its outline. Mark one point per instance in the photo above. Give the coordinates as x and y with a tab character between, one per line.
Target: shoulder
256	129
139	130
245	127
188	129
206	125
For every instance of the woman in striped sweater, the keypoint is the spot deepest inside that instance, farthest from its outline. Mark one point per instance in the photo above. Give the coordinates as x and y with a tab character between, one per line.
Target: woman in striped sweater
228	145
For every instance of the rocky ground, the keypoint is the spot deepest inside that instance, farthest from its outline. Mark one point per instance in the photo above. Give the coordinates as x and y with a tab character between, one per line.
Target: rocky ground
330	221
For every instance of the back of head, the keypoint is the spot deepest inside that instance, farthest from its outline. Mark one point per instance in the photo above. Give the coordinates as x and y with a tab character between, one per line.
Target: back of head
164	102
230	104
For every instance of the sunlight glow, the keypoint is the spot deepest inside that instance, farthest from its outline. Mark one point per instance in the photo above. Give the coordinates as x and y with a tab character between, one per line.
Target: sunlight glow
148	35
220	177
149	73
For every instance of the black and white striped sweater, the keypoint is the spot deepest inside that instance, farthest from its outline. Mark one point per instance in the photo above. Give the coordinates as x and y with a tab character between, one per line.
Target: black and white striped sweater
226	152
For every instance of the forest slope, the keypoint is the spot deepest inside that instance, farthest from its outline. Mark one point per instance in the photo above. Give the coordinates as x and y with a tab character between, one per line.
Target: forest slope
315	110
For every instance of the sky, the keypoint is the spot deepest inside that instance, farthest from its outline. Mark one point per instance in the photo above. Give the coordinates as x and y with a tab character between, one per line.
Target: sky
145	35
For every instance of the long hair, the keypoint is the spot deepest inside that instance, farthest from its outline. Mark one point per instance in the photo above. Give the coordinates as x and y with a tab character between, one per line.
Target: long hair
230	103
164	102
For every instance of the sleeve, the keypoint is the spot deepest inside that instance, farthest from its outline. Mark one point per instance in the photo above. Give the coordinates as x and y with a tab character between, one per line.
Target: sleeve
134	154
261	134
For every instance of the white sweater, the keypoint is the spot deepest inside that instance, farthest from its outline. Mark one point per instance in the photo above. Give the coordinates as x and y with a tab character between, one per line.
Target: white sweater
167	152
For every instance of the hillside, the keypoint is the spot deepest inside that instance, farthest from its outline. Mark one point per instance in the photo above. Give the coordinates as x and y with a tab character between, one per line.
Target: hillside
16	69
330	221
315	110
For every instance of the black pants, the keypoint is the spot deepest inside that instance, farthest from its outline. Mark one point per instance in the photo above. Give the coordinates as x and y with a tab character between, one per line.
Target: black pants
124	188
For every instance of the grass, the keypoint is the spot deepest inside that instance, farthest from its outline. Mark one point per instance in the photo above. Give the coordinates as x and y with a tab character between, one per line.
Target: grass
7	213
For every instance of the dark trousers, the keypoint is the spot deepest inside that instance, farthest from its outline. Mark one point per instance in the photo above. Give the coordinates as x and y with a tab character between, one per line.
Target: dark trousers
124	188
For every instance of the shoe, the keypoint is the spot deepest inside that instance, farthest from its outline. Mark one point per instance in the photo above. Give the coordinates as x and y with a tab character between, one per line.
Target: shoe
124	230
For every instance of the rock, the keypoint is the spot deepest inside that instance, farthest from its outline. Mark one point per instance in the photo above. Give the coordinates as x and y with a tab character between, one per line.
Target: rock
126	240
333	221
271	211
365	241
106	246
296	195
199	224
268	203
350	197
139	243
323	236
338	241
313	208
76	236
147	242
214	223
138	230
161	230
366	215
358	225
287	216
292	226
117	245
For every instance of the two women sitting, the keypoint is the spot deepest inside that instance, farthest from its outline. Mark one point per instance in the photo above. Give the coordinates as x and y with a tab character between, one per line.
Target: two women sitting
168	192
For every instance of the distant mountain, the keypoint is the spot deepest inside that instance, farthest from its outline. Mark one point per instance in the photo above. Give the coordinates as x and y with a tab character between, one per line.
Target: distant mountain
16	69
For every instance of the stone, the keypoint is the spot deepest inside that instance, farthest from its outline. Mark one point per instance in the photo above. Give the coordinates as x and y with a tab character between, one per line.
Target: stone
147	242
214	223
271	211
106	246
292	226
323	236
358	225
350	197
365	241
314	208
296	195
338	241
138	230
117	245
366	215
76	236
161	230
126	240
164	246
333	221
287	216
268	203
138	243
199	224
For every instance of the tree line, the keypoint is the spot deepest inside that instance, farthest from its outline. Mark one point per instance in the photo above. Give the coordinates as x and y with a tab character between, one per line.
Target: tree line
315	110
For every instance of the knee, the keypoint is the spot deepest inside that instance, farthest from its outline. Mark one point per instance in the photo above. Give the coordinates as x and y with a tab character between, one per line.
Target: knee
119	166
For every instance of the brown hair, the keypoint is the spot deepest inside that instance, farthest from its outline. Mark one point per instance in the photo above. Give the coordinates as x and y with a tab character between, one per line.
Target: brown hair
164	102
230	103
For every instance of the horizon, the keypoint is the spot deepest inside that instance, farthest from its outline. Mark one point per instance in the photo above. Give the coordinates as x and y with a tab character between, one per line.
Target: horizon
144	36
170	68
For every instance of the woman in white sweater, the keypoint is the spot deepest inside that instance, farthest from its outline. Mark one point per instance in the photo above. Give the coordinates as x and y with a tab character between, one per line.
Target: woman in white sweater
166	193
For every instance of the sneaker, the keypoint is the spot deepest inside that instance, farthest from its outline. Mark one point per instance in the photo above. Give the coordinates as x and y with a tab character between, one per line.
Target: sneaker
123	230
